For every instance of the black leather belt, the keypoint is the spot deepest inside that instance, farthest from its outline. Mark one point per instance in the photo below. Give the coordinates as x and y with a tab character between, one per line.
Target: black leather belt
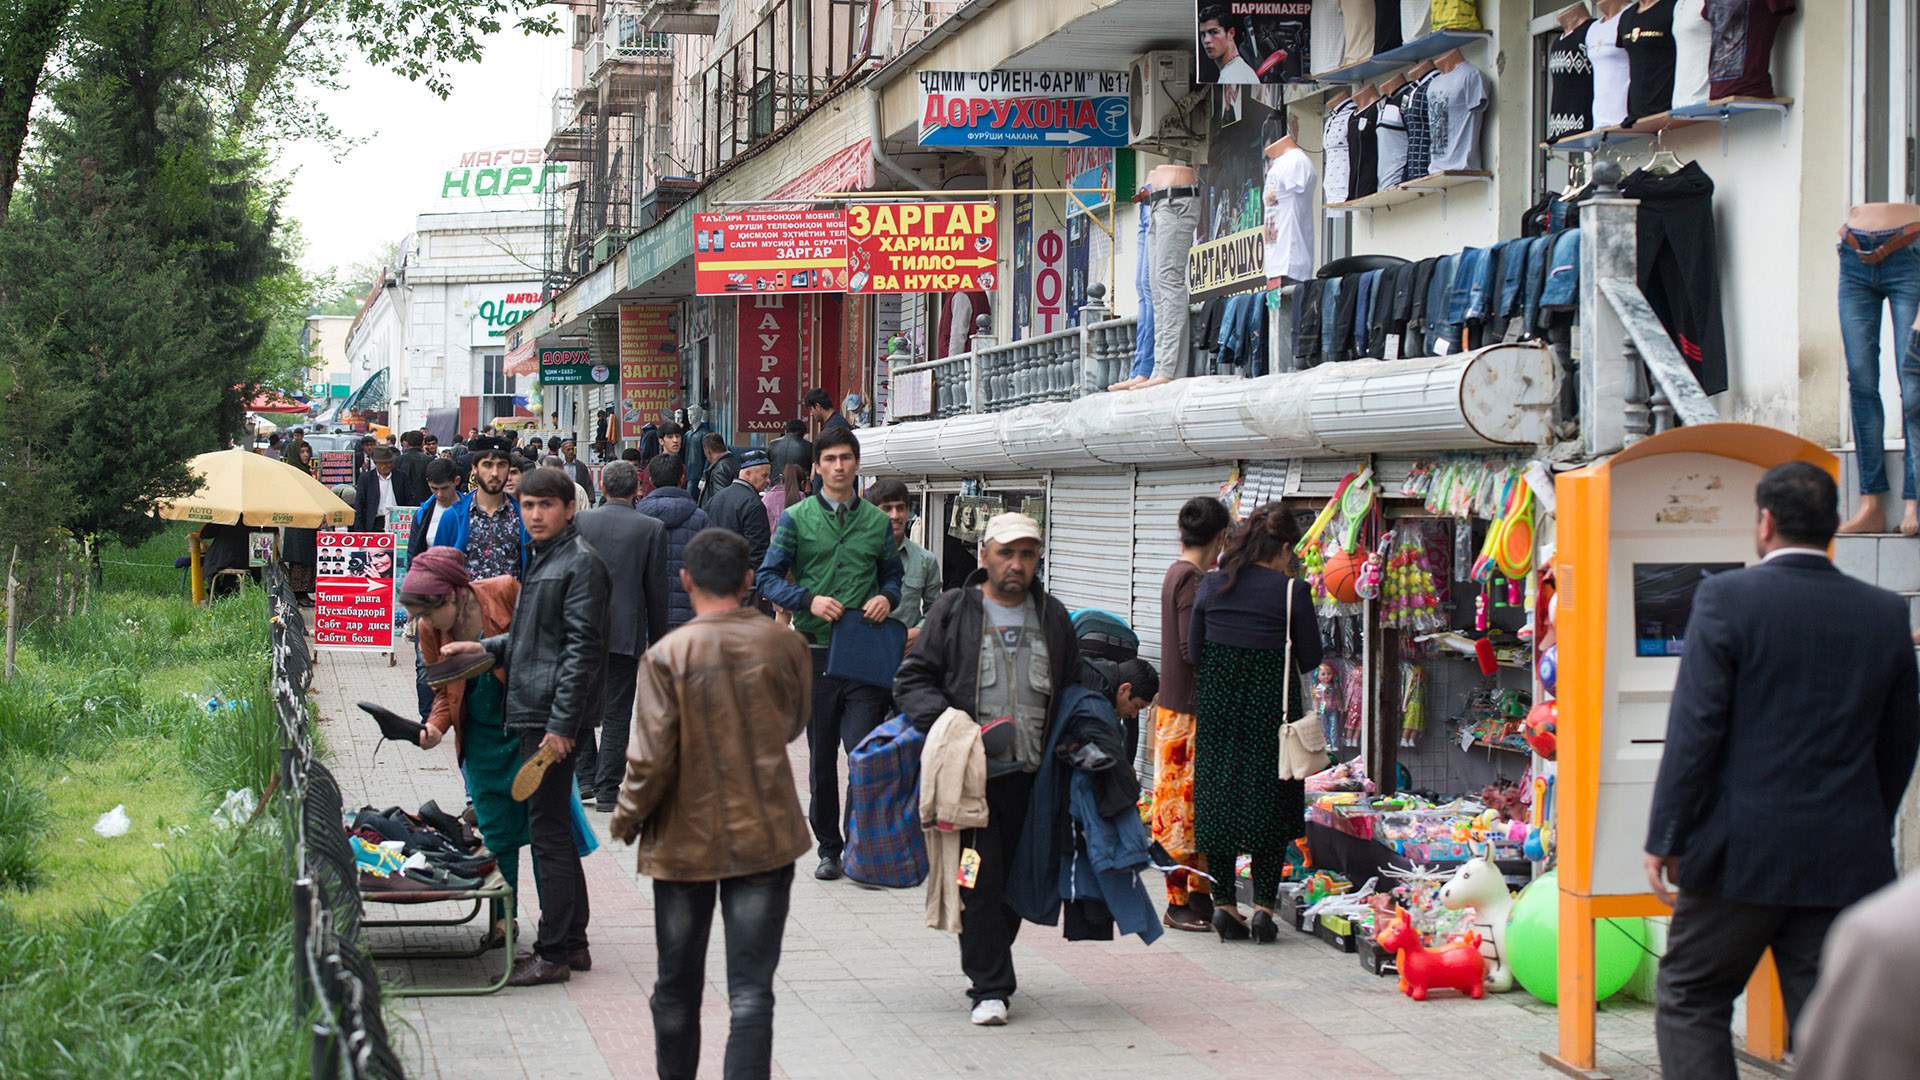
1159	194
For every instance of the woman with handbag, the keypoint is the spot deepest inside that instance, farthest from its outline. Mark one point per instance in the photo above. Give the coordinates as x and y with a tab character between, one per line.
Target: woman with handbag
1253	633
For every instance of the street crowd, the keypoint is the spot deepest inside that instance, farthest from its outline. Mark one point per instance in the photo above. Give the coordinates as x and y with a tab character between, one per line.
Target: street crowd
649	641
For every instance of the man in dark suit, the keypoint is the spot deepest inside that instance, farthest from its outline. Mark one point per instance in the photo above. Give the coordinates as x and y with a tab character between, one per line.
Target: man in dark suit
1790	738
737	507
721	468
410	469
376	491
793	448
576	469
634	547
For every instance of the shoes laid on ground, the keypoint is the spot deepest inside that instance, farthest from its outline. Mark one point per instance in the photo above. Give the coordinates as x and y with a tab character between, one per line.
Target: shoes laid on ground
455	669
1200	904
577	960
829	869
392	883
538	971
991	1012
527	780
392	724
1185	918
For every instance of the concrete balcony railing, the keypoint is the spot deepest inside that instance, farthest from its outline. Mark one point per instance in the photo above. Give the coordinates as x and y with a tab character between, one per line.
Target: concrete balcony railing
1060	366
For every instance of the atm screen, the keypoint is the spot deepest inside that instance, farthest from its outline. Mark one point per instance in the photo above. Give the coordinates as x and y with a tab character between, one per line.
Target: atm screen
1662	601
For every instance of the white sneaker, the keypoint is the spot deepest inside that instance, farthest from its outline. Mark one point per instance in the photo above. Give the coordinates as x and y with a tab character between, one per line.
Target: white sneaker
990	1013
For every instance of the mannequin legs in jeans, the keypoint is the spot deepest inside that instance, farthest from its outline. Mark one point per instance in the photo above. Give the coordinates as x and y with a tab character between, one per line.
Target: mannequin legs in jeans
1169	236
1864	290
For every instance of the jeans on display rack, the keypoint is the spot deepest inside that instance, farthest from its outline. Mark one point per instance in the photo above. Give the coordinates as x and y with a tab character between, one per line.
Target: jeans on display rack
1865	288
1169	236
1143	349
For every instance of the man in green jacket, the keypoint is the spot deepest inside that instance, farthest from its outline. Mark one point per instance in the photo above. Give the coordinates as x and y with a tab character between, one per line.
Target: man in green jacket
840	553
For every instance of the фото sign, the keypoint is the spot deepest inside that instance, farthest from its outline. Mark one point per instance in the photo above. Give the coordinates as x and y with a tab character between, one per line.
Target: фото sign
775	335
922	247
572	367
496	310
649	365
353	591
1049	281
777	251
1024	108
519	173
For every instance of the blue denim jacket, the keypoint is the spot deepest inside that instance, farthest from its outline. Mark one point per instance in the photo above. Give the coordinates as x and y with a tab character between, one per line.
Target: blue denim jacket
1109	868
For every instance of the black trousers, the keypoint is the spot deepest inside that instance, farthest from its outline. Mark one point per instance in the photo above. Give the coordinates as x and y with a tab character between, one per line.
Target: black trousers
1712	949
610	763
844	712
987	925
556	859
754	910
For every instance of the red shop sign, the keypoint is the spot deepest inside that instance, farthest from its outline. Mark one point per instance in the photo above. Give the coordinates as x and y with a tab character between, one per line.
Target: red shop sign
769	251
775	335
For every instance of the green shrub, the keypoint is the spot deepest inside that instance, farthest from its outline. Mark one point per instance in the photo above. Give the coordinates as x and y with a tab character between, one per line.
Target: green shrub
23	819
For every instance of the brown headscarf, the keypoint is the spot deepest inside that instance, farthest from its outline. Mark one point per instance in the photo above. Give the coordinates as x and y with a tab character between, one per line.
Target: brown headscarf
437	571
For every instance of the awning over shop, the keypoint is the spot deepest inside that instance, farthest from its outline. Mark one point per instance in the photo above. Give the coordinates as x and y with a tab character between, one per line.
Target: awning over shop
847	169
371	397
269	402
523	338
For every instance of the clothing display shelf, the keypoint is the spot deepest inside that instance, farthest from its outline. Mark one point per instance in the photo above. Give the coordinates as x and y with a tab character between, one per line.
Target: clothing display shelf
1412	190
1424	47
1719	111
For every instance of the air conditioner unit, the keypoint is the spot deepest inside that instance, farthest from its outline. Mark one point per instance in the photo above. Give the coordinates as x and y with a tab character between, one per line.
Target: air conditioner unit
1158	83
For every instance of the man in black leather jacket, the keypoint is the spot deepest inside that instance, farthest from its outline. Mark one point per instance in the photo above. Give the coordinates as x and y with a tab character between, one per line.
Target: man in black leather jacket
555	656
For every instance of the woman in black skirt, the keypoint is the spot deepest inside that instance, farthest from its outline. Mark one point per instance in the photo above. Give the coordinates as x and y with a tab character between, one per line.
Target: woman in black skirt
1244	694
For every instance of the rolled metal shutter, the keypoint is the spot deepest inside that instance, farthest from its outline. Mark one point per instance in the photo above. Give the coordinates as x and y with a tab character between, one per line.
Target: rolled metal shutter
1157	497
1090	540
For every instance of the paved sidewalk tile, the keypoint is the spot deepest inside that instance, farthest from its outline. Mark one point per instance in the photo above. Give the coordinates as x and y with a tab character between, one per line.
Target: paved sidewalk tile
866	990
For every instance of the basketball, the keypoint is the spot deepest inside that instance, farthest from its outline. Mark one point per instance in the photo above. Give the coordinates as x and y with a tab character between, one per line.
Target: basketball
1341	577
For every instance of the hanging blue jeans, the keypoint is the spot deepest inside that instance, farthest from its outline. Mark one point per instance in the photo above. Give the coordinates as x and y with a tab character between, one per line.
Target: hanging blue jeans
1143	284
1864	289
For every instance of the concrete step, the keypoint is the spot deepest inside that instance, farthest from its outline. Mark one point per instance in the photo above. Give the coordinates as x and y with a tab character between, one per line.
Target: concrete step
1850	485
1889	560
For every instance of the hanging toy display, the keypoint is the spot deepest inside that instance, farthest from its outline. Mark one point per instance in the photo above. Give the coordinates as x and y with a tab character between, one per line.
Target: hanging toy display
1542	724
1326	701
1413	704
1353	705
1410	596
1374	572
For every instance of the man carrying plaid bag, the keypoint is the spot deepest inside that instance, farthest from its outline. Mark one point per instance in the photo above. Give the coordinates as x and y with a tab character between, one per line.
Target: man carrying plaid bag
884	845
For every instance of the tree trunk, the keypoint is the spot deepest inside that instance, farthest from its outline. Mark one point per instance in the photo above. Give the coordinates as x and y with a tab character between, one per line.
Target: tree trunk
25	44
13	615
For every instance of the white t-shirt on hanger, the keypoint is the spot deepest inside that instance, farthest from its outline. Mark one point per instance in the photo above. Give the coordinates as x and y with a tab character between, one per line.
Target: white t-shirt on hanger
1287	198
1609	70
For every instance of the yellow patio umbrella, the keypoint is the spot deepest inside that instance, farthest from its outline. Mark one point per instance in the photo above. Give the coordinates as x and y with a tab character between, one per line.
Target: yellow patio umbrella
242	487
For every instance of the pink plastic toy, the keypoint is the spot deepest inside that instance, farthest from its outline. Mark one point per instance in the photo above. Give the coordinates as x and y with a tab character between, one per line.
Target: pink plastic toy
1458	966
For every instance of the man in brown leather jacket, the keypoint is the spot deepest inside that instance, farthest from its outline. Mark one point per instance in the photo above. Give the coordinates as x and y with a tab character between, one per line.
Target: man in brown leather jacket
709	793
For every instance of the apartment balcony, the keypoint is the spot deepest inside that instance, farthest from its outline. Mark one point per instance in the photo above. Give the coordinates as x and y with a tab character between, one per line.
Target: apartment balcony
624	61
695	17
569	140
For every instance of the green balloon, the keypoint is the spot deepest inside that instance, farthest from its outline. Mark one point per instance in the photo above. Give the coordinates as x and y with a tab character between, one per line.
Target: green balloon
1533	944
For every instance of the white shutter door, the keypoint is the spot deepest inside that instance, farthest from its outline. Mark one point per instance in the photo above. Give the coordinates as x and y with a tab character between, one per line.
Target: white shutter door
1089	540
1158	496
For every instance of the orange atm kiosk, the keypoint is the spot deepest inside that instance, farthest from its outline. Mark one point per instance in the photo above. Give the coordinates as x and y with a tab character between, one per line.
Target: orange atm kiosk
1633	531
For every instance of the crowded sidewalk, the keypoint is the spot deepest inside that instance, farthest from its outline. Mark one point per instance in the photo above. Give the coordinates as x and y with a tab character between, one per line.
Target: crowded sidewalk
866	990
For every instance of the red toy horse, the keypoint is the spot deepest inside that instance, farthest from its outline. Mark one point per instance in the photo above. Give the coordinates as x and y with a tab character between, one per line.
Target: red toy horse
1458	966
